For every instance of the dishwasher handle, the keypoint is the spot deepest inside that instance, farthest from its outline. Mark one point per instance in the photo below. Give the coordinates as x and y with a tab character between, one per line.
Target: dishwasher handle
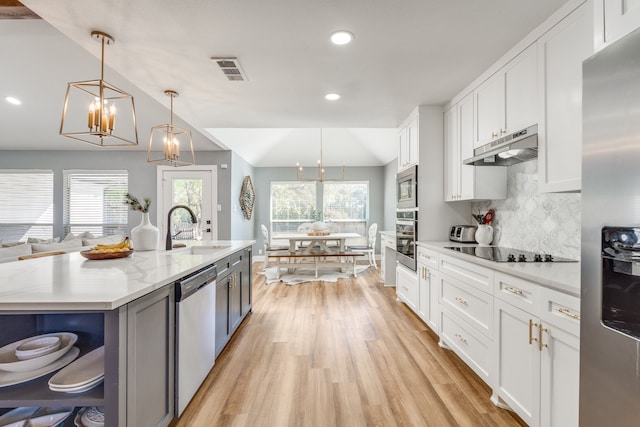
193	283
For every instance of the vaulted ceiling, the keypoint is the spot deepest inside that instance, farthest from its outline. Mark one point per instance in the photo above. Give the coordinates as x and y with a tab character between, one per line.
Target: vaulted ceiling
405	53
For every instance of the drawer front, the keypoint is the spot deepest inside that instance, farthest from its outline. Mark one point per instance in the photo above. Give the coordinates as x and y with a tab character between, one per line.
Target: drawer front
427	257
387	241
467	272
472	347
518	292
560	310
472	305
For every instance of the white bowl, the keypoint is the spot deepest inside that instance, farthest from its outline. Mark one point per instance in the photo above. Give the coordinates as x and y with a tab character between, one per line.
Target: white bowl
37	347
9	362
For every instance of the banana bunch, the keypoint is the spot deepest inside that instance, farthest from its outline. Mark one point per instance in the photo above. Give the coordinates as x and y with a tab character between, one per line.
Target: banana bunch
123	246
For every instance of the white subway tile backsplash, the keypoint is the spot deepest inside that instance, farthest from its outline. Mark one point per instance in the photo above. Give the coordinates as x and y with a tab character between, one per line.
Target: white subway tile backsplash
547	222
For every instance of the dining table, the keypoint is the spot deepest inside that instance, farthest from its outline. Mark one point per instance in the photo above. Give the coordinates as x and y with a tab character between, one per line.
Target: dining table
308	242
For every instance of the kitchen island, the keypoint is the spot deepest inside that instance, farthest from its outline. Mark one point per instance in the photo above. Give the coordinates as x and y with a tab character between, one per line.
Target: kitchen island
127	305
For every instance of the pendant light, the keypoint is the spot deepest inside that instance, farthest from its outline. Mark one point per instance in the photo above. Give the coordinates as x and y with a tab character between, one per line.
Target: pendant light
320	177
176	143
91	108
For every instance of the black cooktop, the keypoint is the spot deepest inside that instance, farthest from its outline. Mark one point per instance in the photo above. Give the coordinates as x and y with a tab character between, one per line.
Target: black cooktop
500	254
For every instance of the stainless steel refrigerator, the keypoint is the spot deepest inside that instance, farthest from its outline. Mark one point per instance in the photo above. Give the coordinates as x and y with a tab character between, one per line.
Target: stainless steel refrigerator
610	272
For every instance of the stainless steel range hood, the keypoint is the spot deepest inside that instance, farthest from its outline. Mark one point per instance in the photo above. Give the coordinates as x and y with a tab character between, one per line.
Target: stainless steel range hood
511	149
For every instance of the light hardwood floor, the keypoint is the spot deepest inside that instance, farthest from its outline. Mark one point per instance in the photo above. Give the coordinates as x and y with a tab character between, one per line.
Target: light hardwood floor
338	354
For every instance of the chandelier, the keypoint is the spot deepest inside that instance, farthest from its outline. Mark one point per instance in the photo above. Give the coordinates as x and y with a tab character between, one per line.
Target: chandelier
91	107
320	169
174	140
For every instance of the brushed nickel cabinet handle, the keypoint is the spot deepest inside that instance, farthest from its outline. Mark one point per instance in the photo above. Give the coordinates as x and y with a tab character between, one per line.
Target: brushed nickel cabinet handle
568	313
460	338
514	290
461	301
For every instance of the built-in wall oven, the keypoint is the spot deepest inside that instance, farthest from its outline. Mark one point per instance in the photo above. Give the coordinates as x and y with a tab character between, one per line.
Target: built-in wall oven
406	235
407	188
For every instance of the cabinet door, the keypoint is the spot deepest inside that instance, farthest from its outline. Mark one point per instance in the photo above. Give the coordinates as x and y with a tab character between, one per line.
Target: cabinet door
403	149
222	312
407	287
517	361
452	159
432	286
560	55
521	91
489	109
412	142
245	283
620	18
235	301
150	359
465	135
560	378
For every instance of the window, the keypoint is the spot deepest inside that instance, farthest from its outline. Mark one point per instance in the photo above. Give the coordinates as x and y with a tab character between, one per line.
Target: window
94	202
292	203
346	206
27	200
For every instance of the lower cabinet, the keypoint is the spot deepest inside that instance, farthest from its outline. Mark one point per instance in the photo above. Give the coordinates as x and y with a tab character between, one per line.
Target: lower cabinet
536	352
407	287
233	295
428	288
150	364
387	258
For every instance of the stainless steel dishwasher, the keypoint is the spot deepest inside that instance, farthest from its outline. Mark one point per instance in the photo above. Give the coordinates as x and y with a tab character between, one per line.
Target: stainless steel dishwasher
195	333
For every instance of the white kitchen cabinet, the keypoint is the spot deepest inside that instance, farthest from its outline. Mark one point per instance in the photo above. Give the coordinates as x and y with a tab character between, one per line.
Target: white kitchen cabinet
387	257
408	144
466	182
428	283
561	52
507	101
536	353
407	289
614	19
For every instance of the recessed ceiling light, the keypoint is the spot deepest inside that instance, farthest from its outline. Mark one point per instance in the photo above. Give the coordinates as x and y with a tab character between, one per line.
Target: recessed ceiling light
12	100
332	96
341	37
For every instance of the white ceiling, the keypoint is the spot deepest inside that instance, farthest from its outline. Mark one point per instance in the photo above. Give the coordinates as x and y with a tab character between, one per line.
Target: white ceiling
405	53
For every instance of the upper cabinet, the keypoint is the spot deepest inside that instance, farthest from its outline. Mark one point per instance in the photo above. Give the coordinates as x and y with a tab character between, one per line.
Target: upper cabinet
614	19
408	144
465	182
561	52
507	101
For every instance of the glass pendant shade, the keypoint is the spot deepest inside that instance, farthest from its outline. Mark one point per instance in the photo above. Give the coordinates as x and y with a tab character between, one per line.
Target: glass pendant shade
170	145
98	113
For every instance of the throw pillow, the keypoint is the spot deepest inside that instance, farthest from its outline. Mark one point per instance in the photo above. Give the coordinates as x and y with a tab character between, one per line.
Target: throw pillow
36	240
11	244
68	246
15	251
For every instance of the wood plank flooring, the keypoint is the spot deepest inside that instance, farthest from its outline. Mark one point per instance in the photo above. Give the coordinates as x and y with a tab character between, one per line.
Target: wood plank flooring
338	354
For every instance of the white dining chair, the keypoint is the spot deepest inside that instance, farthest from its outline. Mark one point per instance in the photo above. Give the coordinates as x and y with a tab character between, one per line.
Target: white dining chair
266	244
370	248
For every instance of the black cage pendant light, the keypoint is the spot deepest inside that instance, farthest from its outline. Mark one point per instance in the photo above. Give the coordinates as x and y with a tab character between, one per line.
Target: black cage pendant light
97	112
175	142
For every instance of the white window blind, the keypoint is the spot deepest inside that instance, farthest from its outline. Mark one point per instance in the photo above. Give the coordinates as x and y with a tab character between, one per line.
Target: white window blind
94	202
292	203
26	197
346	205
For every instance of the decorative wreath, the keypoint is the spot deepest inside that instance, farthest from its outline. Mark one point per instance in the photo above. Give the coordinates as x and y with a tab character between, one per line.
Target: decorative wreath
247	197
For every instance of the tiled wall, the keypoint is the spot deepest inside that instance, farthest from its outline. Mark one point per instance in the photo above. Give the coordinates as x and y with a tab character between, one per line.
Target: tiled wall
548	222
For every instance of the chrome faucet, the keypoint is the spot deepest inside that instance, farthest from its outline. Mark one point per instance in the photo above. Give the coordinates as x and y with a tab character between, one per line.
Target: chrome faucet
194	220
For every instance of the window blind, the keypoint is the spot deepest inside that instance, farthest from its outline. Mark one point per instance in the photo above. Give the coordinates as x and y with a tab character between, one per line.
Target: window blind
94	201
26	197
346	205
292	203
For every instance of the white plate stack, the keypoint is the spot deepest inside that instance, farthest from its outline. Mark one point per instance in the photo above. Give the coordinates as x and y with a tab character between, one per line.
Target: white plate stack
39	356
81	375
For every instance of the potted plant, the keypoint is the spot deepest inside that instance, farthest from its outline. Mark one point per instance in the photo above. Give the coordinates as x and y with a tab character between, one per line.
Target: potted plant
145	236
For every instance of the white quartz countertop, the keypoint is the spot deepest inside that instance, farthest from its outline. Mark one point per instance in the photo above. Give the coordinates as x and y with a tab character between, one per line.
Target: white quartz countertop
561	276
71	282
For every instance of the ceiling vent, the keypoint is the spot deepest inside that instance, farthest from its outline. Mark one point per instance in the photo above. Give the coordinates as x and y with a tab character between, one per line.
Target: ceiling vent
231	68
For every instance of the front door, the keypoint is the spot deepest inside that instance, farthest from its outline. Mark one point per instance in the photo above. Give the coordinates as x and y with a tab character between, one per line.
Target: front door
194	187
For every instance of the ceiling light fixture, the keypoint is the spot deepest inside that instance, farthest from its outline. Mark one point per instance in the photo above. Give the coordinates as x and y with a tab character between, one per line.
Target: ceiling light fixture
320	177
89	113
341	37
12	100
174	139
332	96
